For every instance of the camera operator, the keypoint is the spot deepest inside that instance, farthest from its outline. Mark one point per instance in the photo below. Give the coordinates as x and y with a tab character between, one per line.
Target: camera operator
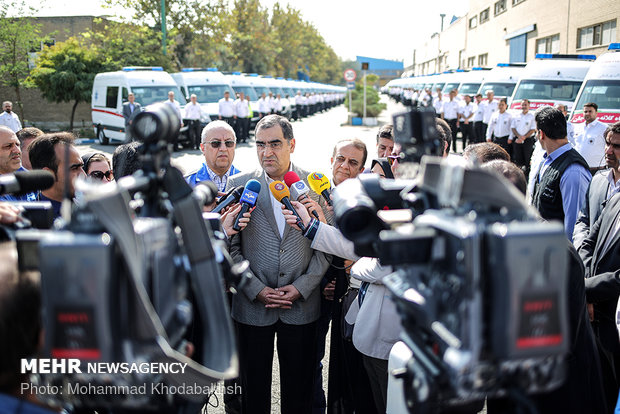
47	152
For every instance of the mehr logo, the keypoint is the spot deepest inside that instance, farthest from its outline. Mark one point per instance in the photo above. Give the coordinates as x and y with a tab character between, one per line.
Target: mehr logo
279	186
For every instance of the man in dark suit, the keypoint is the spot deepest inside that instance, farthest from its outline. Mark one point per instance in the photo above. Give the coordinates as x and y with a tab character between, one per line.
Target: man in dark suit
603	186
283	299
131	108
600	252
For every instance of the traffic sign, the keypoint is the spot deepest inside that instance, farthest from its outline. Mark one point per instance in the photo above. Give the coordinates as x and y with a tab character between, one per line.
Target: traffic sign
350	75
350	85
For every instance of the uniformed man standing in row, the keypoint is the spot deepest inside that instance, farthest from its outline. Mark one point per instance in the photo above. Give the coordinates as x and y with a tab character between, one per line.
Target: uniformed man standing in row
499	130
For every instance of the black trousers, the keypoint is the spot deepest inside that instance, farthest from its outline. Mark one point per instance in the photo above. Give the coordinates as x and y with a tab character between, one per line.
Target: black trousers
454	128
522	153
194	133
229	120
503	142
468	134
484	131
479	132
243	125
296	354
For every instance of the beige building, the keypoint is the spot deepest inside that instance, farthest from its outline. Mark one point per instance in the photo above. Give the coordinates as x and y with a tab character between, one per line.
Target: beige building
498	31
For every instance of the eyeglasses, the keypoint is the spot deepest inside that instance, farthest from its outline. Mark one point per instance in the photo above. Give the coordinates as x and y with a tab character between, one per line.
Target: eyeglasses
393	159
217	144
98	175
274	145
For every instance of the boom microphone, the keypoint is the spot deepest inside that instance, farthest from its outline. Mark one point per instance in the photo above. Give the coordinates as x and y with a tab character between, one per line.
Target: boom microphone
281	192
23	182
299	189
320	185
248	200
230	198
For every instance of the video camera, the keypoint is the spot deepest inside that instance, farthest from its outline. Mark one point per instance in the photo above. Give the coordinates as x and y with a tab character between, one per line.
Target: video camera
479	282
135	274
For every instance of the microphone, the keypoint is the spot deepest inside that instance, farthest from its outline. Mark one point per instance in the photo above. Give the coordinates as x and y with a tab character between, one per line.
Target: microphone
248	199
281	192
230	198
320	185
299	189
23	182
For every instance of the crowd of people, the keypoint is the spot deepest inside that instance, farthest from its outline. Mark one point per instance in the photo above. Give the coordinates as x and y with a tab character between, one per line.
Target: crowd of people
308	277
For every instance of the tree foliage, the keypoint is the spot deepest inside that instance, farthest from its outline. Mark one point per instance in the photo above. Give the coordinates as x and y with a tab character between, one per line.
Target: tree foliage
65	73
373	106
18	37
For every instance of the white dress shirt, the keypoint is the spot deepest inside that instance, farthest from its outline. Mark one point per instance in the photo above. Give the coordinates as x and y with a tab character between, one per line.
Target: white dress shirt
590	143
226	108
466	110
276	104
10	120
277	207
438	105
263	106
479	112
523	123
176	106
193	111
489	109
242	108
500	125
450	109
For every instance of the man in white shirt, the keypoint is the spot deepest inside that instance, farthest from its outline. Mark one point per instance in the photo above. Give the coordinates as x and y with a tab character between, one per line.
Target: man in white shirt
570	129
227	110
193	113
276	105
10	118
490	107
465	121
479	133
438	104
450	115
242	110
523	130
263	105
176	107
499	130
590	142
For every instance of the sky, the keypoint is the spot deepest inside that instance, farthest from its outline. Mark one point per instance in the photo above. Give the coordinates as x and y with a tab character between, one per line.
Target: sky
385	29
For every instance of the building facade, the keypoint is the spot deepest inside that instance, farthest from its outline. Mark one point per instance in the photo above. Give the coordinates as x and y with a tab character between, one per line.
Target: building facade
502	31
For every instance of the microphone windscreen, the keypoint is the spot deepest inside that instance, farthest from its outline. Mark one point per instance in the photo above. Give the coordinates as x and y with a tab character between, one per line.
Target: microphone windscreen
290	178
318	182
279	190
250	192
30	181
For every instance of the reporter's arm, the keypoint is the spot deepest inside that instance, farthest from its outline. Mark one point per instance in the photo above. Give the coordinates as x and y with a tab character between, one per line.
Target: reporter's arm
329	239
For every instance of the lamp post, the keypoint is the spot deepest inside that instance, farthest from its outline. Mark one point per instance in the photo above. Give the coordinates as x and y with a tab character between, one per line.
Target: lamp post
163	26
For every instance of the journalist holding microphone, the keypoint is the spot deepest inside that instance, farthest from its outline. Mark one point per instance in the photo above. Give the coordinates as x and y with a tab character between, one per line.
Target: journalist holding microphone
282	300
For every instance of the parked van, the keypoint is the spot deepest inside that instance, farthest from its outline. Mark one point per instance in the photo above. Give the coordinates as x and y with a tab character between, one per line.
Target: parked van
453	81
275	87
150	85
502	80
471	81
551	79
240	83
208	85
601	86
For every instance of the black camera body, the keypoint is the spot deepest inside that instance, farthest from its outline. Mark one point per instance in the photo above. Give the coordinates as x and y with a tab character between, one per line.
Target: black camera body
479	282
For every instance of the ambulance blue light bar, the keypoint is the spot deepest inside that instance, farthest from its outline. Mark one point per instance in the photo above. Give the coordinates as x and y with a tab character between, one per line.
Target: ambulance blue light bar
558	56
236	73
198	69
133	68
254	75
614	46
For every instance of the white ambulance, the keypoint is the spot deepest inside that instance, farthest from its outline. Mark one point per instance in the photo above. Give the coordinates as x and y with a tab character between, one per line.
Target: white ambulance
150	85
471	81
601	86
502	80
207	84
240	83
550	80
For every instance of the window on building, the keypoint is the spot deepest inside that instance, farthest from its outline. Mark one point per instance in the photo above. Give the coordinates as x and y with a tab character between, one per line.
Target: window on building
599	34
500	7
471	62
549	44
473	22
515	2
483	59
484	15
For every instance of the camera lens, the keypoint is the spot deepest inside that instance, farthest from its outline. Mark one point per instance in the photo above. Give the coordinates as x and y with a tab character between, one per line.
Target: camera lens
156	124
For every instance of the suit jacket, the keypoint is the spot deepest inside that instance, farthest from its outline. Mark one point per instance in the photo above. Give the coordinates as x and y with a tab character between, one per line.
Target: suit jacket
275	261
596	196
603	273
128	115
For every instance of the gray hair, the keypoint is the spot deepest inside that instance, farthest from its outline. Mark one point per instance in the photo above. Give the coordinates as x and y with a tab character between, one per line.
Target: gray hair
272	120
215	125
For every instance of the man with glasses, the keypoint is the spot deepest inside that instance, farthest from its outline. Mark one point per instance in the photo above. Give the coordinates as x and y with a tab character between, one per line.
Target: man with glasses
218	142
52	152
282	300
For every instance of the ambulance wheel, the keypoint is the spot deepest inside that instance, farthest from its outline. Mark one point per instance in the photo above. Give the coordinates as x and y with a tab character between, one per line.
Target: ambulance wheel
103	140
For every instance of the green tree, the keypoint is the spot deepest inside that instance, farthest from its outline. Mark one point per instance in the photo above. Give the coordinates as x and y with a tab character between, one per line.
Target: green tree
65	73
18	37
251	37
373	106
